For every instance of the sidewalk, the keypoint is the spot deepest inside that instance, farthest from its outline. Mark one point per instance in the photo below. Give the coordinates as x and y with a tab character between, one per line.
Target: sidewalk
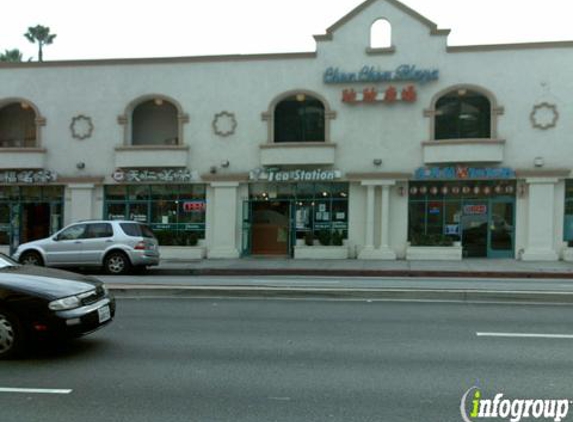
470	280
474	268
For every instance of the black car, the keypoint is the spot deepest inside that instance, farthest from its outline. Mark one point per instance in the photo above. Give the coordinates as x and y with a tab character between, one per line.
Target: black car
41	302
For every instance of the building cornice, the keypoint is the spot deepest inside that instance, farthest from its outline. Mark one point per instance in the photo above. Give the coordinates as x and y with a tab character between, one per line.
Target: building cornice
160	60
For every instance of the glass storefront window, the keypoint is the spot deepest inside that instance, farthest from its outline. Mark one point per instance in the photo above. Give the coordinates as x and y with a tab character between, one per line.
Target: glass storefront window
31	193
164	212
29	212
317	210
118	192
176	213
568	223
117	211
164	192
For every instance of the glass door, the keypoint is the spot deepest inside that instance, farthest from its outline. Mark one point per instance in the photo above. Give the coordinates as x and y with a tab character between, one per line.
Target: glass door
501	228
475	228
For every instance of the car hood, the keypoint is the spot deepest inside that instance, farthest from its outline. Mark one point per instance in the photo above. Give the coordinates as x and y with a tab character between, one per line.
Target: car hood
45	282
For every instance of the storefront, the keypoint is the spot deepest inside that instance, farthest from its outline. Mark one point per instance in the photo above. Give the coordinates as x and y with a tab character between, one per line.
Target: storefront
175	212
294	206
381	146
462	204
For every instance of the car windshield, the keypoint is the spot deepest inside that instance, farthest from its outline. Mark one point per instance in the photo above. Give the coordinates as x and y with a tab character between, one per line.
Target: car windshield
135	229
6	261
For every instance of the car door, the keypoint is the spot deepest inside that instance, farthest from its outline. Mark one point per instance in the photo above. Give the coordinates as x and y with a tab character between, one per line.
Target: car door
66	246
99	236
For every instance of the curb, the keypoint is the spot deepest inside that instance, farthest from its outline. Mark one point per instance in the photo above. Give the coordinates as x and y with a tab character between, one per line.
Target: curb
501	296
358	273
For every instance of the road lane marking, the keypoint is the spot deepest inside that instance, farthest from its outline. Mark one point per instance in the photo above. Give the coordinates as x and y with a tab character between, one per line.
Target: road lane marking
526	335
35	390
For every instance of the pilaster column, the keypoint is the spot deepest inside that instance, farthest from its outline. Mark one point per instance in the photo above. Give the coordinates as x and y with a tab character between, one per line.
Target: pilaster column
369	244
81	202
385	217
541	220
223	234
384	251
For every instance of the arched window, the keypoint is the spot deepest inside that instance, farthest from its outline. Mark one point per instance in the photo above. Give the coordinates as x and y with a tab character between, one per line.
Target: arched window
299	118
155	122
463	114
381	34
18	125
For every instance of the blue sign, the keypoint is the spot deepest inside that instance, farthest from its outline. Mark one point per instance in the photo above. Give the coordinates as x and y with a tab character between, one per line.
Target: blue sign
371	74
464	173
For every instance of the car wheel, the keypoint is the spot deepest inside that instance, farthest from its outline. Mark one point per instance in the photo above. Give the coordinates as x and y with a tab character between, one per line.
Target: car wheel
117	263
31	258
11	335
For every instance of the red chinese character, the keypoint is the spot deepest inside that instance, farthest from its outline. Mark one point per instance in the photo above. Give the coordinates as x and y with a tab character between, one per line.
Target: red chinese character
409	94
390	94
370	94
349	96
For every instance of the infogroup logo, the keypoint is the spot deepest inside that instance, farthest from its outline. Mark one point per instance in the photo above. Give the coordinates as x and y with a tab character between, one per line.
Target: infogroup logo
474	407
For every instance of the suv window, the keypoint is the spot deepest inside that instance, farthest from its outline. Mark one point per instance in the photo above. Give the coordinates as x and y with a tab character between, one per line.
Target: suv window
136	230
96	230
71	233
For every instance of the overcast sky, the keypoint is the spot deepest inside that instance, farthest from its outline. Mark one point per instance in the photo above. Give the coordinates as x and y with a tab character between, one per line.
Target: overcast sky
143	28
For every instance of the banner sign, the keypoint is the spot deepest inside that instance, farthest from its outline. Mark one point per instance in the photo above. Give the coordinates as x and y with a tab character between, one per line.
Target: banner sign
154	175
371	74
28	176
463	173
276	175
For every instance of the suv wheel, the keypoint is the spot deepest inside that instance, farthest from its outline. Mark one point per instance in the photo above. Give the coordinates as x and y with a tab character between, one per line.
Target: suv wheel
117	263
31	258
11	335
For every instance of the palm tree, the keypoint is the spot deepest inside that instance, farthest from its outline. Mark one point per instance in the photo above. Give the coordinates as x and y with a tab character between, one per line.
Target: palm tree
12	56
41	35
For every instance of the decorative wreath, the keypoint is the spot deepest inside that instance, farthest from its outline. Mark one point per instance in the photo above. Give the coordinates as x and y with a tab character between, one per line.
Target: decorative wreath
544	116
81	127
224	123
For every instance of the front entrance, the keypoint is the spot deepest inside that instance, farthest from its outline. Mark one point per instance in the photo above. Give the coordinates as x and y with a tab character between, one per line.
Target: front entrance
35	222
270	228
488	228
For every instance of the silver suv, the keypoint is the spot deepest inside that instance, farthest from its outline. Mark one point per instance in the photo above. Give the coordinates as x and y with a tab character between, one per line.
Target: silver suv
115	245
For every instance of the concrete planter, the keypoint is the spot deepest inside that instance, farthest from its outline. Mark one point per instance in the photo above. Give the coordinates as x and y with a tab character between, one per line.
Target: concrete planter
182	252
321	252
434	253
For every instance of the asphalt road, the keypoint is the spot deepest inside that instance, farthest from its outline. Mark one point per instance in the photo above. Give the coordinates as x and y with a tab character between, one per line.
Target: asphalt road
293	360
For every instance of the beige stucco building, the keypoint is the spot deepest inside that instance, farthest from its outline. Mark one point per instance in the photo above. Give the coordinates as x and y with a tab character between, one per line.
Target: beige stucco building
376	145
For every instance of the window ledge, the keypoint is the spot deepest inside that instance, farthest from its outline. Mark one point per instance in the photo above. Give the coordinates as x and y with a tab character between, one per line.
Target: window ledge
298	153
480	141
464	151
380	51
299	145
151	147
30	150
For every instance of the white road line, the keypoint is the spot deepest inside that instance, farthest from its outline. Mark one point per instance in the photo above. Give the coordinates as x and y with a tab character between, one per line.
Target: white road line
35	390
526	335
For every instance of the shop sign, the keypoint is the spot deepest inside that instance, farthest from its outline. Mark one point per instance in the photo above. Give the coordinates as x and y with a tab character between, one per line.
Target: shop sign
372	74
154	175
194	206
298	175
27	176
388	96
477	209
463	173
